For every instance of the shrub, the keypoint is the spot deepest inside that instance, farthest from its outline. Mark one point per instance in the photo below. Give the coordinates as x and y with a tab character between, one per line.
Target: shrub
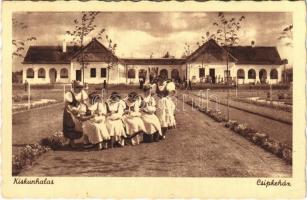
259	138
287	155
230	124
55	141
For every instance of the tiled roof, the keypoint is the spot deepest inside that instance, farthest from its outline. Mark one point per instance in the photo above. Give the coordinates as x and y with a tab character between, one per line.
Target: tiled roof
153	61
49	55
212	48
255	55
95	51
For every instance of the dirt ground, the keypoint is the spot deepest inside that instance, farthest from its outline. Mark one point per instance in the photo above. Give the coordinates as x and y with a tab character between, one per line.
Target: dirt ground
196	148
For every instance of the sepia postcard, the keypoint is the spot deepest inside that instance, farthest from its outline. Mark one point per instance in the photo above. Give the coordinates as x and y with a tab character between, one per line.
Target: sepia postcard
153	99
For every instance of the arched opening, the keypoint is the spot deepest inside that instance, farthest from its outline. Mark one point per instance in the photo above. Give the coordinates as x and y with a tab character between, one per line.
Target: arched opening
262	76
64	73
30	73
52	75
131	73
164	73
240	74
41	73
251	74
273	74
175	75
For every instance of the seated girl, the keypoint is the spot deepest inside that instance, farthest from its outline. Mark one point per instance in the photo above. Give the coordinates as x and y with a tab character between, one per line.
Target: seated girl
114	123
151	121
75	107
95	128
132	118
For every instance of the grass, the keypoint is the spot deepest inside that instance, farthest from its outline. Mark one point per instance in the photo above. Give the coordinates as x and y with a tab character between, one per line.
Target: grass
276	129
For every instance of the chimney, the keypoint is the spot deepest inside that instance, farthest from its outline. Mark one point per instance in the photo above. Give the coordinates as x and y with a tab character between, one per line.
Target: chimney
64	47
253	43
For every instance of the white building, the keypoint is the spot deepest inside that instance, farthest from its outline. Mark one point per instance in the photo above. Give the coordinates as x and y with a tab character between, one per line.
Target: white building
246	64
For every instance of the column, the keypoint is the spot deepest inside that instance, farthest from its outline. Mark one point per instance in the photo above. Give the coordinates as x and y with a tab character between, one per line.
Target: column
71	76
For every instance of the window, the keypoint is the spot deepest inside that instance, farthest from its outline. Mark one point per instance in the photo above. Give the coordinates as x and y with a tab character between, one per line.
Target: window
273	74
164	73
240	74
262	74
175	74
64	73
201	72
131	73
251	74
93	72
41	73
30	73
103	73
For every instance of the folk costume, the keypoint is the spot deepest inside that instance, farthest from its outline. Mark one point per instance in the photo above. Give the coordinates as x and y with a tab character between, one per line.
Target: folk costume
151	121
165	106
74	108
95	128
132	118
114	123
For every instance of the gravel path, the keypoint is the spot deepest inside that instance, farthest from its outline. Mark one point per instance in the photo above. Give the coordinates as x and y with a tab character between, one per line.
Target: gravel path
197	148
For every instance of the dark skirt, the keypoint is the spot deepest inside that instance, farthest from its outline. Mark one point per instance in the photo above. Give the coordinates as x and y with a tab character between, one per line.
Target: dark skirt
69	126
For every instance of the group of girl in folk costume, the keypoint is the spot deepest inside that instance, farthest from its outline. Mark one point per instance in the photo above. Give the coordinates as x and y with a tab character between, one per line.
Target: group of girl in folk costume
118	121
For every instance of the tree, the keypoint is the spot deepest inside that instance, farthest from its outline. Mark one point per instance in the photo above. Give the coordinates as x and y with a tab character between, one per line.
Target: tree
187	52
19	44
227	35
287	35
205	38
167	55
83	28
111	60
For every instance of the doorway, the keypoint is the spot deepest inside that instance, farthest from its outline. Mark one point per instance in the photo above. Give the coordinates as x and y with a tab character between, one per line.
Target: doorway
212	74
78	75
52	75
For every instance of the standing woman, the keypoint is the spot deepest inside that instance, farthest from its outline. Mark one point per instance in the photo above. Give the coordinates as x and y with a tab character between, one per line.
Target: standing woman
115	126
75	107
151	121
95	128
165	107
132	118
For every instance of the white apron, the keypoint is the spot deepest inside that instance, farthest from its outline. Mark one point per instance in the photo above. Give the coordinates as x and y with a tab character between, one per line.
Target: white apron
133	121
96	128
166	112
114	121
151	121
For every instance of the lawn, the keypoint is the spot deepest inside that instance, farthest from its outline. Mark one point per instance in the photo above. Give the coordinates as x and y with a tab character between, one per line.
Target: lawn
274	122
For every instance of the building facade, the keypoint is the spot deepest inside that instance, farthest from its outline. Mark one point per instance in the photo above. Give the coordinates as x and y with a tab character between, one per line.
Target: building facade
246	64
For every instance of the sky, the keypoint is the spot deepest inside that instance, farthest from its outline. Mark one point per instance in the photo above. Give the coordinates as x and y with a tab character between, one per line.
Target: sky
141	34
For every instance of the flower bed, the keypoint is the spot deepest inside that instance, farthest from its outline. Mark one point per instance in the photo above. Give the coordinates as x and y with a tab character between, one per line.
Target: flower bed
32	151
27	156
20	98
35	104
261	139
287	108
